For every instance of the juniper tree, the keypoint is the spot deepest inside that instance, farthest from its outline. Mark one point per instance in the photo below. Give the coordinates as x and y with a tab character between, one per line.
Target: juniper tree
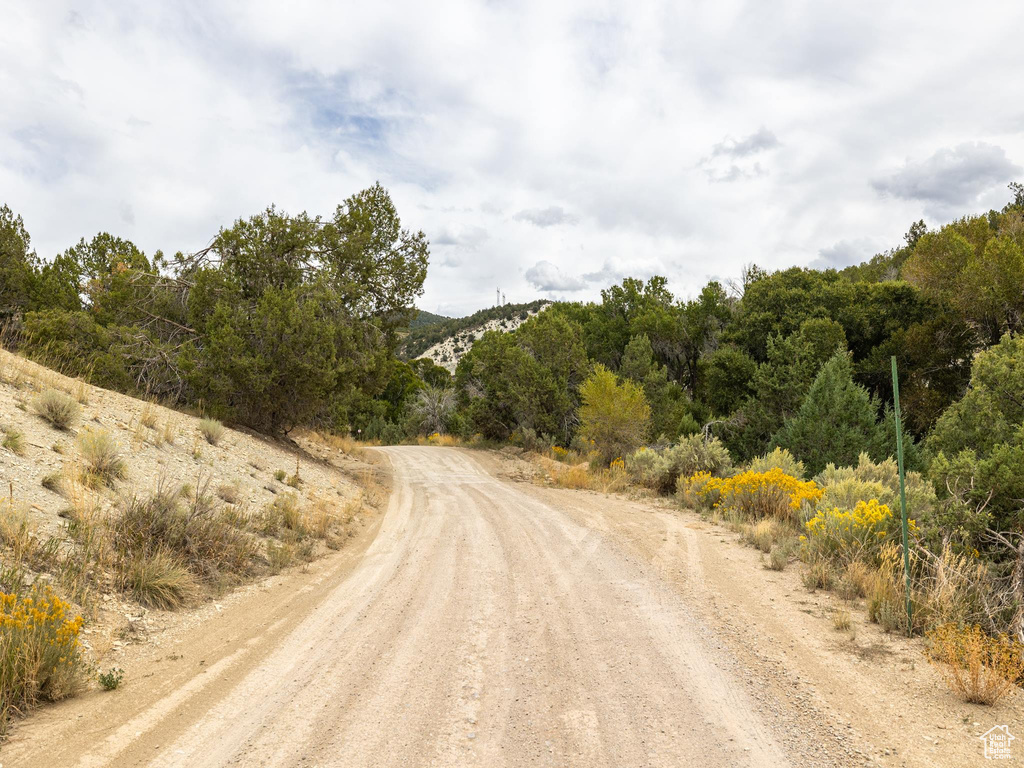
837	421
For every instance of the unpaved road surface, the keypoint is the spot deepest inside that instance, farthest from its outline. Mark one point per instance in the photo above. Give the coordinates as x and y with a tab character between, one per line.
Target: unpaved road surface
486	623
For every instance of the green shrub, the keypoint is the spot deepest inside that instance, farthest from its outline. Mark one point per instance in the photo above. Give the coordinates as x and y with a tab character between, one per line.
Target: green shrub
111	680
58	408
868	475
859	533
846	493
649	468
77	345
782	459
693	454
531	441
836	422
661	470
978	442
778	558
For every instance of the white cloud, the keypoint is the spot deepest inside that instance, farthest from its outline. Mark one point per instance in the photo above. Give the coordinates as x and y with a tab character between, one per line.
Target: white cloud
846	253
759	141
496	125
466	236
545	276
545	217
951	177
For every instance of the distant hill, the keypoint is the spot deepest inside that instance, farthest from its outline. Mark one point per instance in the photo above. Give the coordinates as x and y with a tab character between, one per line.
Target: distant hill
447	341
424	318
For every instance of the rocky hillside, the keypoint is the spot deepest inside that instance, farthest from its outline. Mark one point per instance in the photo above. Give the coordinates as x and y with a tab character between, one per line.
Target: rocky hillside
445	343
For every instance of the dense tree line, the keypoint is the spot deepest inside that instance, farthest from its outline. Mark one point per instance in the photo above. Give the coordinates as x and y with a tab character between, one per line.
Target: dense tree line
797	359
295	319
283	320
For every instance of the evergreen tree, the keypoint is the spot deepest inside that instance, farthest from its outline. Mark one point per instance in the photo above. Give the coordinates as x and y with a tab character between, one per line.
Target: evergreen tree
836	422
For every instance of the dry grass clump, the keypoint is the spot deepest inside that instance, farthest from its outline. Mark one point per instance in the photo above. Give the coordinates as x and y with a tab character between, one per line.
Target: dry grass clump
58	408
18	534
212	430
283	514
886	592
319	519
159	580
764	534
979	668
102	457
53	482
237	515
81	392
229	492
343	443
581	477
14	441
818	574
841	619
163	528
575	477
148	416
280	555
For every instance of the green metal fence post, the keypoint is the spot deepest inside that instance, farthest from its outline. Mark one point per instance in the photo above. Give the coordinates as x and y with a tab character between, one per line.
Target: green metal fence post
903	492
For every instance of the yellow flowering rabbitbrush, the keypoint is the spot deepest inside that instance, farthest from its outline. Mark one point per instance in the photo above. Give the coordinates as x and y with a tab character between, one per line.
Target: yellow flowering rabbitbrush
756	495
40	655
852	534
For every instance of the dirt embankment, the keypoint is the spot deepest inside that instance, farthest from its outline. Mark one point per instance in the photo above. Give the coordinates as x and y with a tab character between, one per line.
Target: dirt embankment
241	474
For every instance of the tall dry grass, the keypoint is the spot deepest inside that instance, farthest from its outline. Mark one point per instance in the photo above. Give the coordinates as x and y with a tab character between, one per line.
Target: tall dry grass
979	668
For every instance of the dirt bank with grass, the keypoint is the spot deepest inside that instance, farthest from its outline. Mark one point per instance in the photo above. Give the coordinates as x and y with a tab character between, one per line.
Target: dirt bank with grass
125	510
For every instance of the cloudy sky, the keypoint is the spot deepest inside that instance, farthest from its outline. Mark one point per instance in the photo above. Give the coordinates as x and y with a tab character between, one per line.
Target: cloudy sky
547	148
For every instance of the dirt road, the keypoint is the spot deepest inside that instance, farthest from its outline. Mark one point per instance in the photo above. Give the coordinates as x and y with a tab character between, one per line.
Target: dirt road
484	624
